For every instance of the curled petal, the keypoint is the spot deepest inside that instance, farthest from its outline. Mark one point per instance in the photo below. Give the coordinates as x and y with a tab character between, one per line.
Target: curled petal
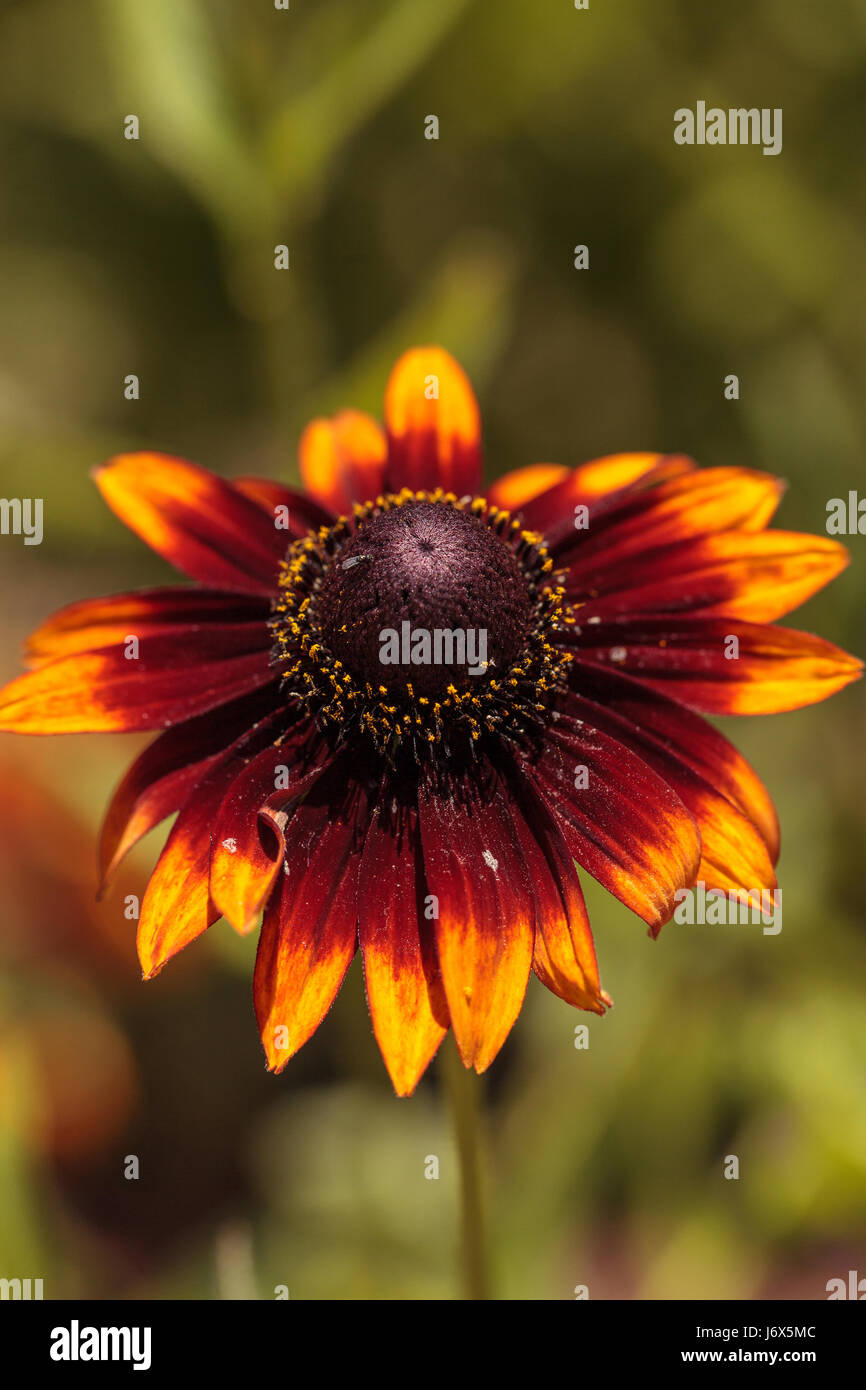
195	520
433	425
486	913
177	905
163	776
248	837
404	988
343	460
309	931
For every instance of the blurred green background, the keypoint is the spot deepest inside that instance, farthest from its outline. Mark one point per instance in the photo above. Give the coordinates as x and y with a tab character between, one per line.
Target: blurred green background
604	1166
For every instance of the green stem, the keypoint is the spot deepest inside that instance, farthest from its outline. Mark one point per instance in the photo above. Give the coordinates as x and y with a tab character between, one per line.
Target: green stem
463	1089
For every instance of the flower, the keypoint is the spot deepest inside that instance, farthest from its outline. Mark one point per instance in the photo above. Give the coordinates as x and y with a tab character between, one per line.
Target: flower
431	812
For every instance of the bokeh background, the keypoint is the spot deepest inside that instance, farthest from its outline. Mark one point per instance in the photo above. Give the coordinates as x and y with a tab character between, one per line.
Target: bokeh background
603	1166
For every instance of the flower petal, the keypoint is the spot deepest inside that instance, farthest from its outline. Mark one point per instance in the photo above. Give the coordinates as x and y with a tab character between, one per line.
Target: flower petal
404	989
101	622
248	839
433	425
692	659
564	955
695	504
195	520
309	932
343	460
173	678
177	905
687	735
304	514
513	490
620	820
485	928
162	777
606	477
733	853
758	577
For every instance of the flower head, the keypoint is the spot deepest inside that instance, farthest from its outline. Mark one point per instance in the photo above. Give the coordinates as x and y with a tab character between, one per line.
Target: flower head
394	710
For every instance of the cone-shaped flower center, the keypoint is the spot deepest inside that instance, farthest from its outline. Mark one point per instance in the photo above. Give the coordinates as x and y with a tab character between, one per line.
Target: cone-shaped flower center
424	594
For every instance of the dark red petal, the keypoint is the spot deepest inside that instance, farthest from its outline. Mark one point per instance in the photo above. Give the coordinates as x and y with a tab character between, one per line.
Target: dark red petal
690	658
248	838
177	906
160	780
564	956
485	927
404	988
175	676
754	576
309	931
626	826
101	622
304	513
687	735
640	522
195	520
733	853
608	478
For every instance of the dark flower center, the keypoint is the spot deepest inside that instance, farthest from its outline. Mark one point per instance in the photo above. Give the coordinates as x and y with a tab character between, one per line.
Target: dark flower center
425	594
424	623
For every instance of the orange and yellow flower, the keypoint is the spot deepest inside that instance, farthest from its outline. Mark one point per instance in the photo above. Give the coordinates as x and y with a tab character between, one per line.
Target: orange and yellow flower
428	816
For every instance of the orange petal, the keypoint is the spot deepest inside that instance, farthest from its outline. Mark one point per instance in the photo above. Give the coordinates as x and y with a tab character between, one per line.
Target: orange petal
99	622
248	835
485	927
564	956
513	489
621	821
756	577
305	515
692	659
733	852
163	776
687	735
177	906
404	991
195	520
343	460
696	504
433	424
309	932
174	678
601	478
